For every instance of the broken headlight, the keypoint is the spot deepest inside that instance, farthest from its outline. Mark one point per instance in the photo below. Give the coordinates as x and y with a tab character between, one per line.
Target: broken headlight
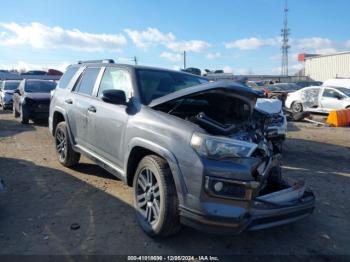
221	147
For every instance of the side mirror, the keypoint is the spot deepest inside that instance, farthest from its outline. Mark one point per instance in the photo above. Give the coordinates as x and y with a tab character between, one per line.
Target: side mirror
112	96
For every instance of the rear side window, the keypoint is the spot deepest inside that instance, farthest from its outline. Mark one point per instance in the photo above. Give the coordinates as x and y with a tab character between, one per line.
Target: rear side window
67	76
87	82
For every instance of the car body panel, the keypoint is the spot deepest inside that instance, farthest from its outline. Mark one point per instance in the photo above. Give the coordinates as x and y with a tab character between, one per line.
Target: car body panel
112	133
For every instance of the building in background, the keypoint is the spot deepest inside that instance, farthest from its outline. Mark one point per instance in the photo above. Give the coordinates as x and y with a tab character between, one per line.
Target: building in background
323	67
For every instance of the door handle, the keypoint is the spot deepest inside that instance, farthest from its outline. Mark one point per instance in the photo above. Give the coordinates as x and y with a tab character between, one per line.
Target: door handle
68	101
92	109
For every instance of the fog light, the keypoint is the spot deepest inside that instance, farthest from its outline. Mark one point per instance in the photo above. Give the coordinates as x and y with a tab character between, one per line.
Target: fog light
218	186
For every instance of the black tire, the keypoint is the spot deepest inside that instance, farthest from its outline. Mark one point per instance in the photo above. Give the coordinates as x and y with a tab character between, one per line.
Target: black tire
24	116
161	199
297	107
15	112
65	153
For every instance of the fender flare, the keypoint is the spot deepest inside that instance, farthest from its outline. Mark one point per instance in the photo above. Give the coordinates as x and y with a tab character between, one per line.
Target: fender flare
164	153
65	117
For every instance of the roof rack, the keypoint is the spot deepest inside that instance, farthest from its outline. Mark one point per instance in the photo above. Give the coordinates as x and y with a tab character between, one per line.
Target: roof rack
104	61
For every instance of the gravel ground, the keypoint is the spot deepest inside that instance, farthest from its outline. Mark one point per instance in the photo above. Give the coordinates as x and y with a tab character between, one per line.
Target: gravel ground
44	199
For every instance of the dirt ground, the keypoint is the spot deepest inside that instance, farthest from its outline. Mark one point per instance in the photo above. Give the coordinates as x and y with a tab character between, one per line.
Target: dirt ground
44	199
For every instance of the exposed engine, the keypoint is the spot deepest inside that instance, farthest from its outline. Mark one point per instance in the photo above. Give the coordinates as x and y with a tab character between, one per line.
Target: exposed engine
221	114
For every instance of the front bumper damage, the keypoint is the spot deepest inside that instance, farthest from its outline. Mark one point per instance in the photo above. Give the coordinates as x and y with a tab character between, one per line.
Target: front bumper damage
290	204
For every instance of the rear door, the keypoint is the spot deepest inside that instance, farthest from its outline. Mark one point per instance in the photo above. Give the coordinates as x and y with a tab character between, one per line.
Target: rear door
330	99
107	122
78	105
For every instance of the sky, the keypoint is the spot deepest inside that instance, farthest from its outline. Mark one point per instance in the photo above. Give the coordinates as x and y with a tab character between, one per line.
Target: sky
238	36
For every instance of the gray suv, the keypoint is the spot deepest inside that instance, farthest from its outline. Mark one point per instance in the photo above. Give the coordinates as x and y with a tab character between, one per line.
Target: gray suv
195	152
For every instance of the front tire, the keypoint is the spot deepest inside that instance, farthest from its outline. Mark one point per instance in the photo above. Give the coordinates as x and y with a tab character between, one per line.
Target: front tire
15	112
65	153
24	117
155	197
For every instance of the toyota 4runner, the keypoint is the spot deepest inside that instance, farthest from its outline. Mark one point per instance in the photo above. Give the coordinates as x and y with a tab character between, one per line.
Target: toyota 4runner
195	152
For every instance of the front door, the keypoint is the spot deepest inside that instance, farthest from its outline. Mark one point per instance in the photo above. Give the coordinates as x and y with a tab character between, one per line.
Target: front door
108	122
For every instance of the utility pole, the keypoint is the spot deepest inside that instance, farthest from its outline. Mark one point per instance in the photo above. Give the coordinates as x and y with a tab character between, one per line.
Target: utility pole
285	39
184	59
135	60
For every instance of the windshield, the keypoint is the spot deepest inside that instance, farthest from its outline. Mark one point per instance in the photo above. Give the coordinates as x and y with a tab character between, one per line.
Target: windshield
157	83
39	86
344	90
11	85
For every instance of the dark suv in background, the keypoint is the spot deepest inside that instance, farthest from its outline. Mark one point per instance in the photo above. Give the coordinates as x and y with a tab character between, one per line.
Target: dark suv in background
32	100
194	152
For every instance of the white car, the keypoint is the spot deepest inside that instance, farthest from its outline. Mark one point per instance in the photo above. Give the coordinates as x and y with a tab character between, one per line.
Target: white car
320	99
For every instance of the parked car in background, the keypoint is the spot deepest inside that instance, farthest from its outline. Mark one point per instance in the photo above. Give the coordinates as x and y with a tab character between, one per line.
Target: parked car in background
192	70
321	99
34	72
307	83
280	90
259	85
7	88
32	99
195	152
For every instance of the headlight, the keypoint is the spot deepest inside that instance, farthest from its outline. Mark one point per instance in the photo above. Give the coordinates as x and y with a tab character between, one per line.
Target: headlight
221	147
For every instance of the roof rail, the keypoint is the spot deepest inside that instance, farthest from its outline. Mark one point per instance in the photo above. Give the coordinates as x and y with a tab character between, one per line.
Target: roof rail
104	61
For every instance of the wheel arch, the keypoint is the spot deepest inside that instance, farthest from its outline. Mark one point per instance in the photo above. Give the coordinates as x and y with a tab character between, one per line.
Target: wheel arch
139	148
59	115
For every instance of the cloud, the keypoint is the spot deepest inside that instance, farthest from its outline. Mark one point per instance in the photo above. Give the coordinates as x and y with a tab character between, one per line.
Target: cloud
314	43
171	56
196	46
252	43
212	56
26	66
38	35
148	37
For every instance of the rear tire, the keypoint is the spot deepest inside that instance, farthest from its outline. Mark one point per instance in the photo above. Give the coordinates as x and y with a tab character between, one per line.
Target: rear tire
297	107
155	197
65	153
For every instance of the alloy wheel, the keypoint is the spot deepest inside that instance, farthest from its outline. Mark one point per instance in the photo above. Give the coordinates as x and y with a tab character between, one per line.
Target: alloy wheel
61	144
148	196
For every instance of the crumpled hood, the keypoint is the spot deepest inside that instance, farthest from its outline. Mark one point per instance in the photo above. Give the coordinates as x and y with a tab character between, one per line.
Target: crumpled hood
229	86
40	97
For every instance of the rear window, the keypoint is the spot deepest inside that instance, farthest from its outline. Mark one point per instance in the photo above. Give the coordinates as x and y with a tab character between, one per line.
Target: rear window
11	85
68	75
39	86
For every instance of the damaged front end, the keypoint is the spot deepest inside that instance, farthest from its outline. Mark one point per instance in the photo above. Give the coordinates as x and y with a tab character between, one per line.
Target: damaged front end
240	158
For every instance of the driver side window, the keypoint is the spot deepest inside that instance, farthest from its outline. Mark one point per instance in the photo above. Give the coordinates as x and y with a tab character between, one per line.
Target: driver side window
114	78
